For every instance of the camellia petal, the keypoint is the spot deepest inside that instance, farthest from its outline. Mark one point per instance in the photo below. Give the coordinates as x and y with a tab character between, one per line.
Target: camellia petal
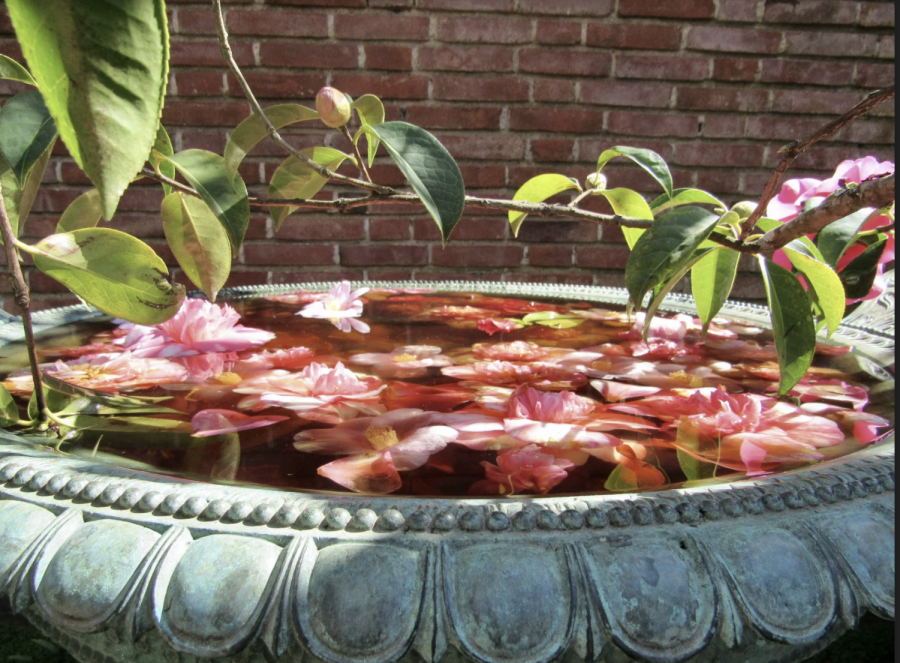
219	422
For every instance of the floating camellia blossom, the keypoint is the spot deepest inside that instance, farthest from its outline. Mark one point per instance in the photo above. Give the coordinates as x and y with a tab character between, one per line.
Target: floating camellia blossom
207	423
117	372
290	358
197	328
527	468
514	351
539	375
408	361
492	326
340	307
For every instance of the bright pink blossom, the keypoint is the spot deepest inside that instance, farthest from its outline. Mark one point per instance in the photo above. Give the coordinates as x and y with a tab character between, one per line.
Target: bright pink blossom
514	351
408	361
492	326
219	422
117	372
198	327
538	375
518	470
340	307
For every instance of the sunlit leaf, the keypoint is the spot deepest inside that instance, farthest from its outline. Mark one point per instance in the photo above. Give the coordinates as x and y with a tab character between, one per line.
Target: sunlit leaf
294	179
666	248
102	68
429	169
537	190
827	286
54	399
649	160
19	199
859	276
103	398
689	448
792	323
685	197
252	130
26	131
662	290
371	112
626	202
113	271
163	146
712	278
9	411
83	212
226	197
198	241
835	238
13	71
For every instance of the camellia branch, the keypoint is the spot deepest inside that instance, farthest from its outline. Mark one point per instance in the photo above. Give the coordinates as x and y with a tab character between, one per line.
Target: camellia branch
225	47
23	301
792	150
876	193
359	159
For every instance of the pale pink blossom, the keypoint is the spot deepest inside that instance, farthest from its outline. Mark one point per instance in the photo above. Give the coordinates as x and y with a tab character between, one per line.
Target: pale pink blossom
492	326
318	393
197	328
514	351
408	361
538	375
518	470
378	448
863	426
219	422
340	307
613	391
117	372
290	358
206	366
298	297
453	313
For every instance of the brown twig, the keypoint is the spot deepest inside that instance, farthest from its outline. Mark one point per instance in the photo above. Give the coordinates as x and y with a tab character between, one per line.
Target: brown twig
361	164
225	47
875	193
792	150
23	301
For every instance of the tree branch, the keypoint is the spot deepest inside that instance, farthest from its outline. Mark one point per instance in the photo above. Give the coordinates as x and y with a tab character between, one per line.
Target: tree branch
792	150
875	193
225	47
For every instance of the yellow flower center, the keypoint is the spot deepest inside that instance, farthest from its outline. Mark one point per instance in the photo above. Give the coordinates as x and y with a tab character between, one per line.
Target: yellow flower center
602	365
228	378
405	358
381	437
680	376
332	305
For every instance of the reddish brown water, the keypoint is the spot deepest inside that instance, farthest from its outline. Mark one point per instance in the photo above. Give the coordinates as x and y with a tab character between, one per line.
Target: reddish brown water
267	456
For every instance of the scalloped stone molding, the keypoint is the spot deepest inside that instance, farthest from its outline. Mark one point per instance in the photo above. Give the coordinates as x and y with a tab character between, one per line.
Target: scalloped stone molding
118	567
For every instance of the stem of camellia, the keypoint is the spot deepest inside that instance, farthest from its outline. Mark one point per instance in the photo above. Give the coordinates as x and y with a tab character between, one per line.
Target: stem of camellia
20	288
359	160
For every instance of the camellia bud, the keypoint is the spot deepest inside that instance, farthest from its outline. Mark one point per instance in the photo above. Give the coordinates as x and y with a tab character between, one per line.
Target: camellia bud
596	181
743	209
333	107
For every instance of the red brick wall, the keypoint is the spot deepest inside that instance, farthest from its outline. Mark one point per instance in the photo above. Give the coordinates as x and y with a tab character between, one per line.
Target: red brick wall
513	88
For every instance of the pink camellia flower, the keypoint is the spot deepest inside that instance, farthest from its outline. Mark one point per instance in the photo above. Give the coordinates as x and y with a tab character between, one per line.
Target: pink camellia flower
378	448
518	470
298	297
198	327
515	351
452	313
117	372
207	423
864	426
614	391
492	326
341	308
408	361
209	365
539	375
318	393
82	350
291	358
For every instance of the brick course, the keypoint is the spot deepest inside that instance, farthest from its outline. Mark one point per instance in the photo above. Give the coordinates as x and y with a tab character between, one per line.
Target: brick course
513	88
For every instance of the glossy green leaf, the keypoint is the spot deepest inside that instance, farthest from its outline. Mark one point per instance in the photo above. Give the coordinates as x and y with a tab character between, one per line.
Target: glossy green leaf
626	202
662	290
429	169
371	112
792	323
688	446
826	284
226	197
198	240
131	425
537	190
621	480
103	399
12	71
102	67
17	198
83	212
837	237
666	248
294	179
712	278
163	146
113	271
252	130
9	411
685	197
89	406
26	131
54	400
802	245
859	276
553	320
649	160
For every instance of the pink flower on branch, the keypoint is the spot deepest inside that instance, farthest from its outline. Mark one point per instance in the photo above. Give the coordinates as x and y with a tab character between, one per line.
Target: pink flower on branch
340	307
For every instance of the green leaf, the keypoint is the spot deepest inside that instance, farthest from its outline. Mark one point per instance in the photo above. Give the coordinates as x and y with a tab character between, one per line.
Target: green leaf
537	190
252	130
621	480
553	320
89	406
825	282
666	248
662	290
626	202
837	237
429	169
198	241
371	112
143	426
112	270
685	197
163	146
294	179
26	131
9	411
712	278
688	446
83	212
13	71
649	160
226	197
792	323
859	275
102	67
104	402
17	198
53	399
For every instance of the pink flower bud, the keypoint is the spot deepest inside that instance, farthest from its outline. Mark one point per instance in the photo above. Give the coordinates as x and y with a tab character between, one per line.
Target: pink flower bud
333	107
